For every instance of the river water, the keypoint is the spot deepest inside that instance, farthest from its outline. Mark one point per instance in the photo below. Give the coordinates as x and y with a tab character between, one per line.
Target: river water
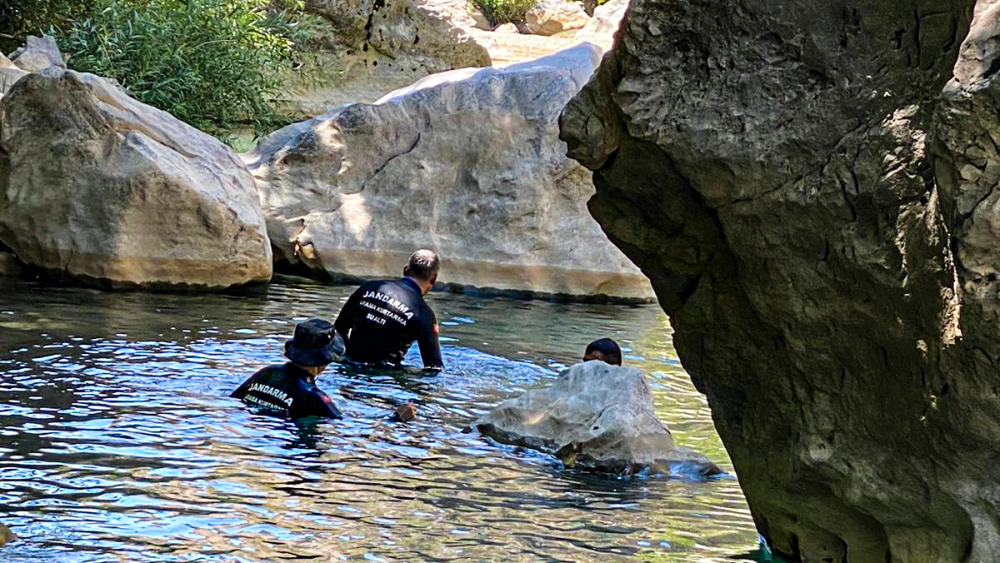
119	442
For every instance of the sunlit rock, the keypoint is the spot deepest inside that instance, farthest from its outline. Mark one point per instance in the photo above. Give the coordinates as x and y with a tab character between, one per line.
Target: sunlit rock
37	54
600	29
550	17
820	224
595	416
466	162
369	47
98	187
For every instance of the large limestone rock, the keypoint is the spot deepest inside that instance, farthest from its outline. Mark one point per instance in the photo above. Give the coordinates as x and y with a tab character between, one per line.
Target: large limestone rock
467	162
37	54
550	17
374	46
595	416
99	187
821	225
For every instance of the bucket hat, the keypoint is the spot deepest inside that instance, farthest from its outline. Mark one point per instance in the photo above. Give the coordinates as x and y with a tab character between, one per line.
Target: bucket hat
312	344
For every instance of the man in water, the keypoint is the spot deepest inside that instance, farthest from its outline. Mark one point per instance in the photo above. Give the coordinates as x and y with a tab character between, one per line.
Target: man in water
382	318
290	390
605	350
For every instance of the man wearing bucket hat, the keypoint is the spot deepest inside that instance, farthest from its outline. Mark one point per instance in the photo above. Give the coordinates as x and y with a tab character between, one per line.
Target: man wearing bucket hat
290	389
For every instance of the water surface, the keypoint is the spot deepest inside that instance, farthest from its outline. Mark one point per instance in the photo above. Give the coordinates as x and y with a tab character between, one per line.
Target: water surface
119	442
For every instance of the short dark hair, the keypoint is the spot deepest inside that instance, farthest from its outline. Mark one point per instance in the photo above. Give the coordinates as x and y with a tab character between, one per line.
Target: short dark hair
607	349
423	264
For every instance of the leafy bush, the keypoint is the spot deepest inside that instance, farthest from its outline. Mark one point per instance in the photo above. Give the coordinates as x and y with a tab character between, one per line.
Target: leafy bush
20	18
503	11
212	63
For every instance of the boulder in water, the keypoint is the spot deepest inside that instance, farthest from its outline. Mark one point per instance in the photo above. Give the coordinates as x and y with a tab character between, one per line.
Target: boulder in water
99	187
467	162
595	416
6	536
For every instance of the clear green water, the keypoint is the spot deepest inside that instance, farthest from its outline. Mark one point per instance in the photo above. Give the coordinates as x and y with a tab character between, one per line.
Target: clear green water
118	443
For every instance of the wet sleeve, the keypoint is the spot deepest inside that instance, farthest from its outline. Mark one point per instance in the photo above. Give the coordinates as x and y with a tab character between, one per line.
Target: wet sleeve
320	404
430	347
345	320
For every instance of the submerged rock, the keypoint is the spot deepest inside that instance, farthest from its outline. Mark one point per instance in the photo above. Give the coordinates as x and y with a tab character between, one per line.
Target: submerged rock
550	17
832	286
466	162
38	54
99	187
6	536
595	416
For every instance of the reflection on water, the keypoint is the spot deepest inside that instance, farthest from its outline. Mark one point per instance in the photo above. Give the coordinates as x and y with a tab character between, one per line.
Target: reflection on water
120	444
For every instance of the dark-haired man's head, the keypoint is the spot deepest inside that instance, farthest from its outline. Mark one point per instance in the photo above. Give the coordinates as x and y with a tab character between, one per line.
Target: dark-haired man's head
423	267
605	350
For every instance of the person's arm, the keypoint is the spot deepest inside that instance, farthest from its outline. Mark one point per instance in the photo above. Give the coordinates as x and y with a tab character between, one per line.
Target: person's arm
345	320
317	403
430	346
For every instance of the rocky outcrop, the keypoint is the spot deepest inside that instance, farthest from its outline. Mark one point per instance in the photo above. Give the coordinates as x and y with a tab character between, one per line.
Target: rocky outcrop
374	46
600	29
98	187
550	17
37	54
467	162
819	223
595	416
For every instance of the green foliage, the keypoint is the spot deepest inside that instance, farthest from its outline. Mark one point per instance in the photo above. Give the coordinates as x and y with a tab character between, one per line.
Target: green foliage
503	11
20	18
212	63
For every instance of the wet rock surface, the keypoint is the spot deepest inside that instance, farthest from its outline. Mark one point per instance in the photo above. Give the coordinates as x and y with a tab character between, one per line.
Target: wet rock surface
98	187
468	163
818	220
595	416
6	536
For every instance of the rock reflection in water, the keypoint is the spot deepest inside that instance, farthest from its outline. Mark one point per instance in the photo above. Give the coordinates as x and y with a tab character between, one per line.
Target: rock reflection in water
119	442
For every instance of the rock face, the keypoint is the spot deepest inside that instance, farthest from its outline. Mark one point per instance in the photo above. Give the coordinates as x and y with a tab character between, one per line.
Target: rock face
374	46
550	17
38	53
96	186
821	224
466	162
595	416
